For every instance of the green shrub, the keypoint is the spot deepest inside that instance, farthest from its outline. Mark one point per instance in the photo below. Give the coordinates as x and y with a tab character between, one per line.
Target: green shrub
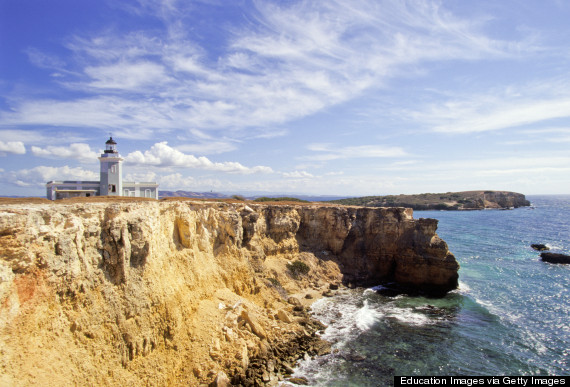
238	197
298	268
274	281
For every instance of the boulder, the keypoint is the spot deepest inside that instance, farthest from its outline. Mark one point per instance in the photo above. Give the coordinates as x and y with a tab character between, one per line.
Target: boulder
299	381
284	316
539	247
256	328
221	380
555	258
294	301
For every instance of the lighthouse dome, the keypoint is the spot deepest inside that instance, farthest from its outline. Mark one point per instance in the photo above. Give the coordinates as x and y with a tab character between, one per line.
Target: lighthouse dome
110	146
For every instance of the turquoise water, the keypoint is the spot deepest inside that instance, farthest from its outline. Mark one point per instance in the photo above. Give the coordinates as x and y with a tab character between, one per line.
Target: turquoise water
510	315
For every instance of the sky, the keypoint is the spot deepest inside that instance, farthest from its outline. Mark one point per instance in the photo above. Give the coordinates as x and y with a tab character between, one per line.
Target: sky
335	97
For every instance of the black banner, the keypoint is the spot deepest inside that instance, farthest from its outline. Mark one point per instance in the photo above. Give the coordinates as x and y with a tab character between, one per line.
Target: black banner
470	381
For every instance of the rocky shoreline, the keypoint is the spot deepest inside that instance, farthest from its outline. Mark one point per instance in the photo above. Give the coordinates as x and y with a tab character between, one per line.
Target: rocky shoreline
179	292
277	362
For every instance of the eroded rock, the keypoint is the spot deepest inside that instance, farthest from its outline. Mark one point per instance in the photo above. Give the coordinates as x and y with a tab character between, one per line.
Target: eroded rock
176	292
555	258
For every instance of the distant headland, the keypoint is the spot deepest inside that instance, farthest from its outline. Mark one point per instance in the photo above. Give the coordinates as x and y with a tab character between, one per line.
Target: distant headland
449	201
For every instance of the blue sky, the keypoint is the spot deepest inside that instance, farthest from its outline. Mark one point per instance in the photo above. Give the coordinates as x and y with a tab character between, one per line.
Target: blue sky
341	97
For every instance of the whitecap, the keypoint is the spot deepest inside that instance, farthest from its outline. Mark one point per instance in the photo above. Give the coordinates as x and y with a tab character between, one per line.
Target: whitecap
409	317
366	317
378	287
554	247
463	287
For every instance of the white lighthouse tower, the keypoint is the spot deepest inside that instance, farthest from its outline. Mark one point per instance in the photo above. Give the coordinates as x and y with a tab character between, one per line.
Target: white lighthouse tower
111	175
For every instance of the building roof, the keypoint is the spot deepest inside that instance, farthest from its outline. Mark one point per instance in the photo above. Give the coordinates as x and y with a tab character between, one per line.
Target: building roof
111	141
72	182
76	190
131	184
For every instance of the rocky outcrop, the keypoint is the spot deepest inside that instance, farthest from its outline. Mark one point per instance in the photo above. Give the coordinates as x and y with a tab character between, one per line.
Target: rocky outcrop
449	201
375	244
555	258
182	292
504	199
539	247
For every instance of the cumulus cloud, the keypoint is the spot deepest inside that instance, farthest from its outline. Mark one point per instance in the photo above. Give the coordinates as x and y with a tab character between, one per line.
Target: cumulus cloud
15	147
176	181
77	151
297	174
40	175
162	155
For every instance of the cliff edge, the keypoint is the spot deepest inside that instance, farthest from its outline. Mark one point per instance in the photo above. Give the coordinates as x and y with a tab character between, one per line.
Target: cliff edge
181	292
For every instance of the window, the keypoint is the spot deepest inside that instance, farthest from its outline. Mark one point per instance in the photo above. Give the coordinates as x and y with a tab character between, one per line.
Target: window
112	188
113	169
147	193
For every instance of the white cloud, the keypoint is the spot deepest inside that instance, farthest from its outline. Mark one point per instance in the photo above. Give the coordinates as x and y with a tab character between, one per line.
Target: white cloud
326	152
40	175
297	174
43	59
77	151
291	61
127	76
499	109
209	147
162	155
140	176
15	147
202	142
39	137
176	181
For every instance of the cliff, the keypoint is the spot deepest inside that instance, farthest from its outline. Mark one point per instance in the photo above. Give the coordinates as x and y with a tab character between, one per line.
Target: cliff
183	292
450	201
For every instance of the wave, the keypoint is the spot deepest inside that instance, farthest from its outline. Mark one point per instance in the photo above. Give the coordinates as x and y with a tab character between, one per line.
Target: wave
366	317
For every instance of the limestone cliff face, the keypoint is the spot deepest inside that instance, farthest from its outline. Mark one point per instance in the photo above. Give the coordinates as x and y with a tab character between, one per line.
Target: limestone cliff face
175	292
374	244
502	199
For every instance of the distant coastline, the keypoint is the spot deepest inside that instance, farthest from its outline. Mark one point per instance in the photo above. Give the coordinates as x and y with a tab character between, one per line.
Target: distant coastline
449	201
247	196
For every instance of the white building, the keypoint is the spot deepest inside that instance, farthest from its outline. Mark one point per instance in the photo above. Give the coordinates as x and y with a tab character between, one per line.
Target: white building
110	182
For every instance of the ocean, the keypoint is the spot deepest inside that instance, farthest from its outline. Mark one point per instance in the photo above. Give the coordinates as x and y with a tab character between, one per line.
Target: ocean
510	315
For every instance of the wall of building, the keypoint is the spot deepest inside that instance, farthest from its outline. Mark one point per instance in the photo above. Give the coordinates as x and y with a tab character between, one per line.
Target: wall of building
111	176
140	190
53	186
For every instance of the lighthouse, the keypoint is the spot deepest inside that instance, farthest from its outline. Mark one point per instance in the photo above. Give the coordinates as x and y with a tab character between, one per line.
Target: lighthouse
110	181
111	173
